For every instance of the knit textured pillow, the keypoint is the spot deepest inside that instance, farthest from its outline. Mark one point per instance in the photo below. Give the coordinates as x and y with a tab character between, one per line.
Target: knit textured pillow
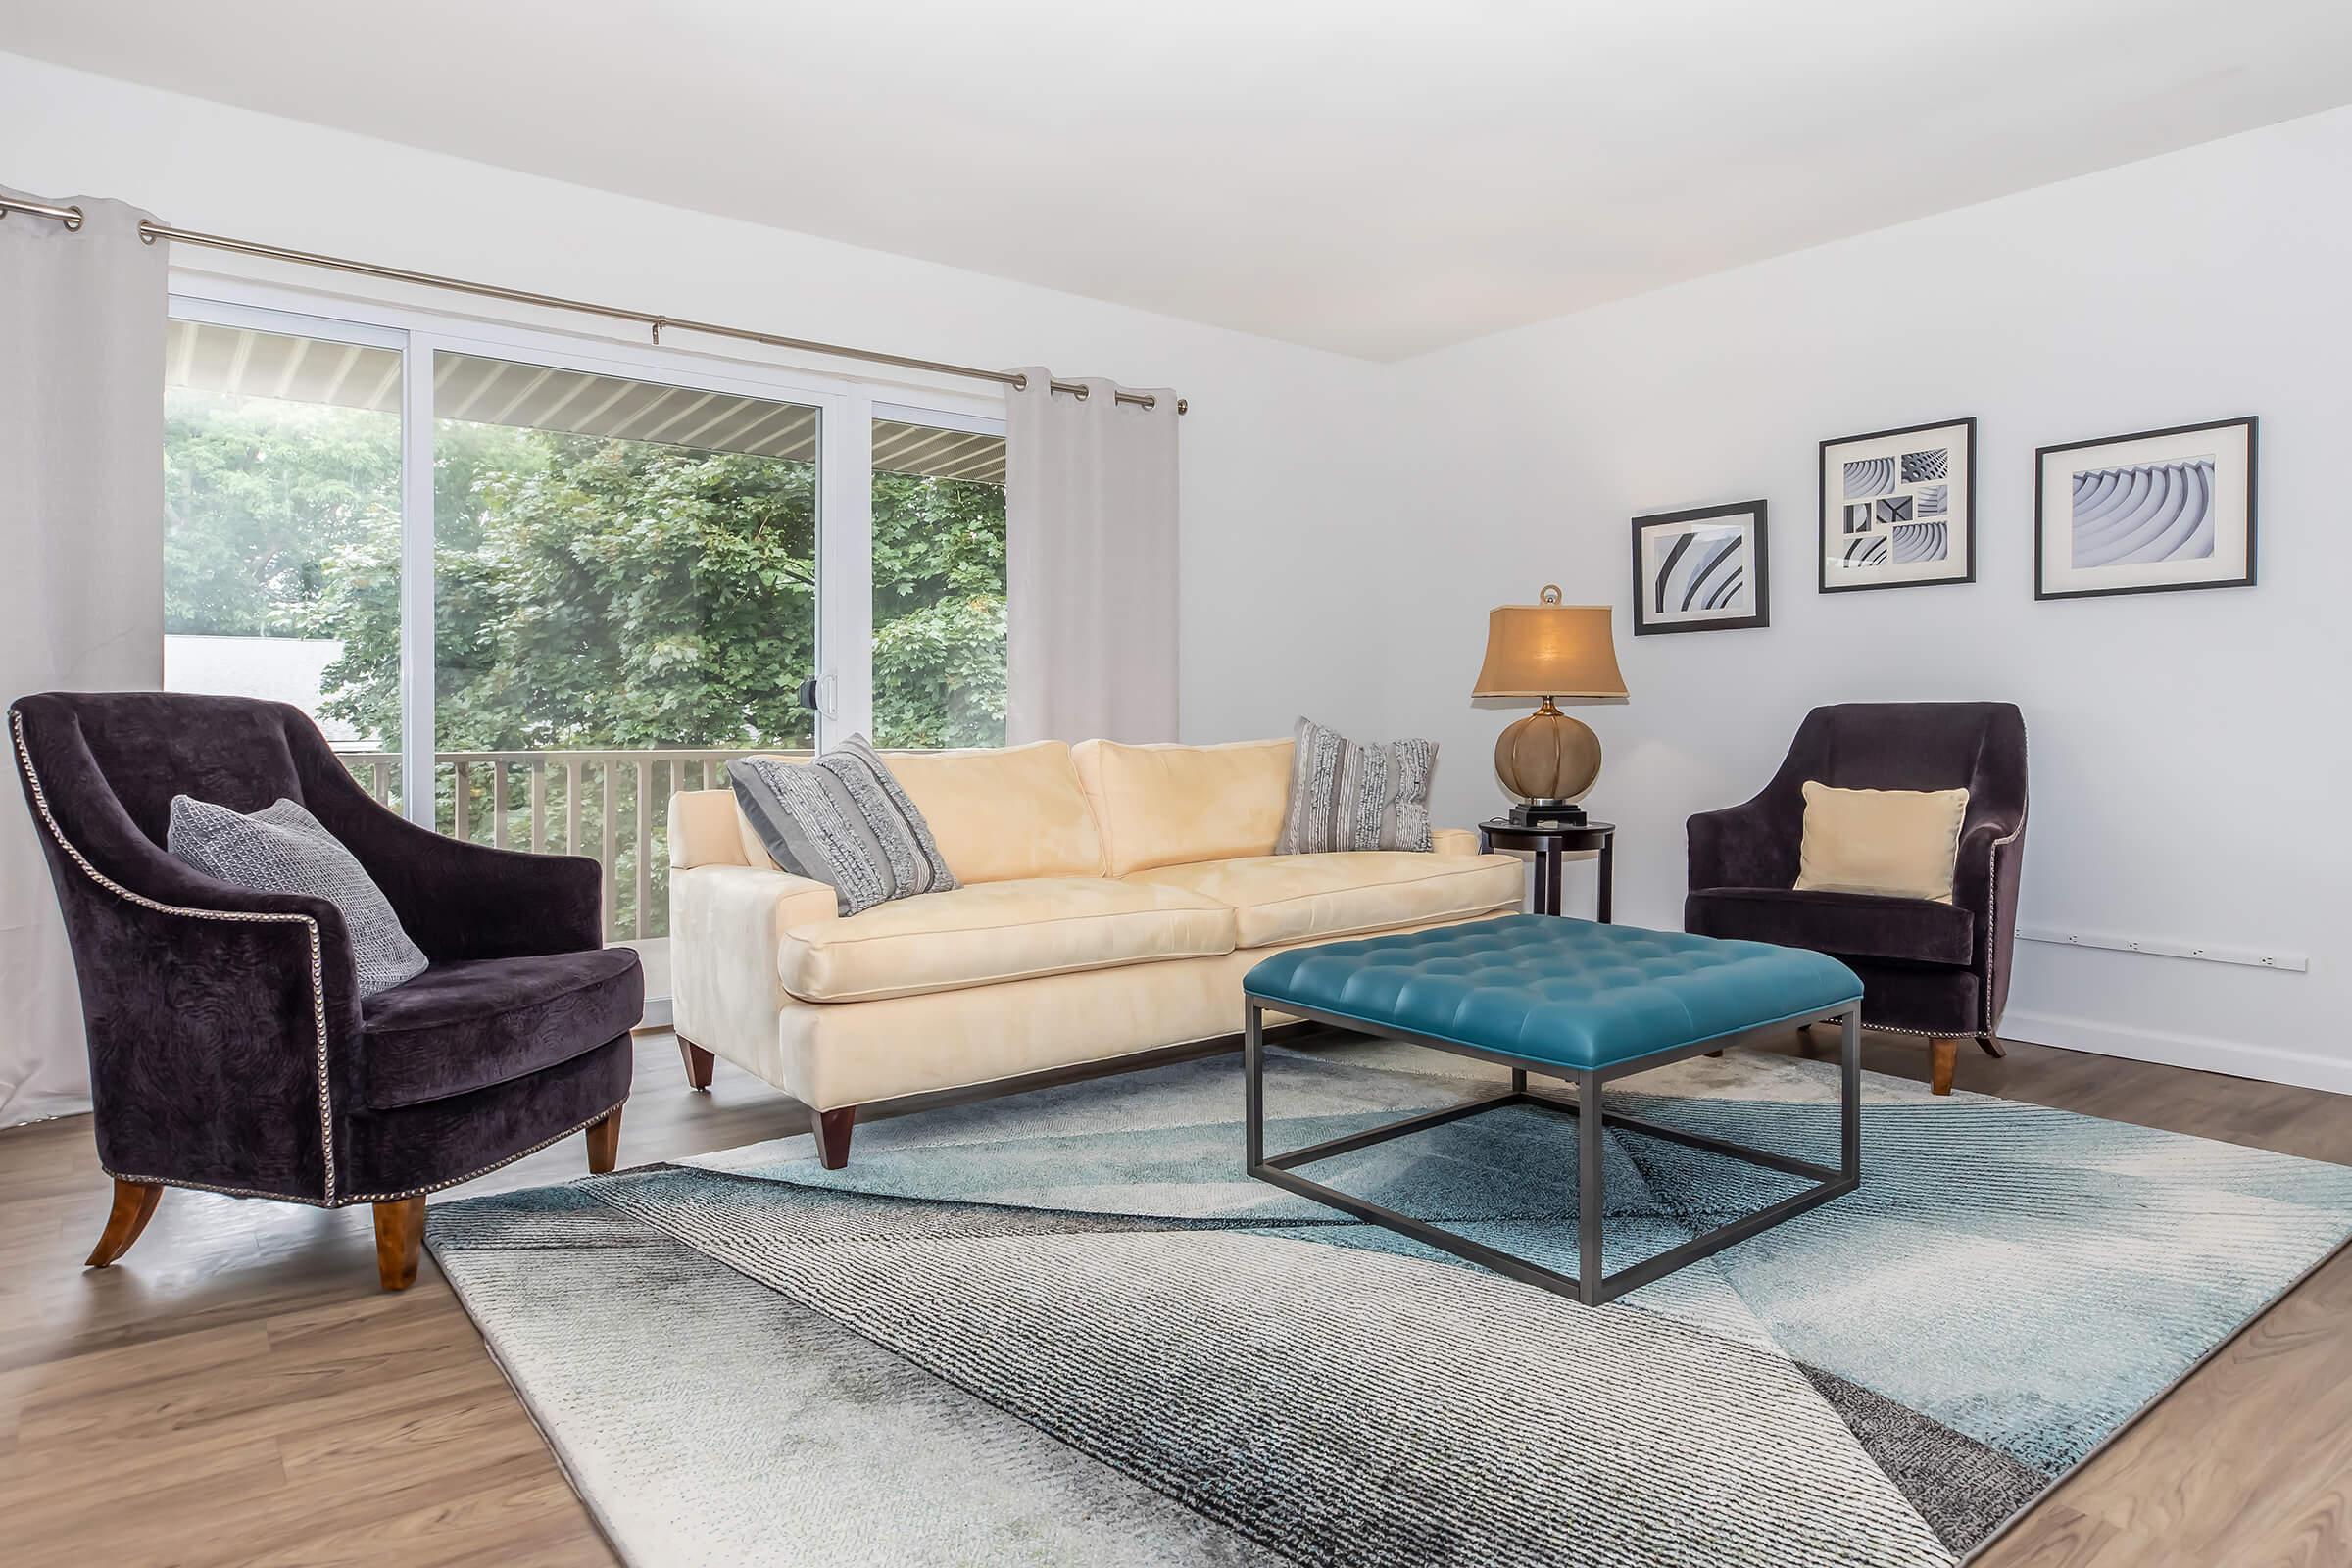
284	848
1345	796
844	820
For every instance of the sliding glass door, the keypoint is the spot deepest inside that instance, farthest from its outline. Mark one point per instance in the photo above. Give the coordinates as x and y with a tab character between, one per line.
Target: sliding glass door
939	579
282	522
624	598
532	586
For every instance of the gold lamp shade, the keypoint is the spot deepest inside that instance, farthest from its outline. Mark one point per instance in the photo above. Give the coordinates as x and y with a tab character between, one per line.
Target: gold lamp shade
1549	649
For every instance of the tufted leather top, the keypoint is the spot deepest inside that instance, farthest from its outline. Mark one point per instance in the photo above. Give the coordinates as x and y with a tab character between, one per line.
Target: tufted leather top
1568	993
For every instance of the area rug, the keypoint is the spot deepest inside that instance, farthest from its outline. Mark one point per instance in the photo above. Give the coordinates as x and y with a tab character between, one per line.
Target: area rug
1064	1329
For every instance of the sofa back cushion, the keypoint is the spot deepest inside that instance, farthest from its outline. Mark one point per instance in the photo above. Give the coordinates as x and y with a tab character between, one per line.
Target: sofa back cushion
997	815
1175	804
1006	814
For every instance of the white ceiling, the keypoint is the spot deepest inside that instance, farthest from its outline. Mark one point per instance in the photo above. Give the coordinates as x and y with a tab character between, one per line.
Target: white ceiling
1370	177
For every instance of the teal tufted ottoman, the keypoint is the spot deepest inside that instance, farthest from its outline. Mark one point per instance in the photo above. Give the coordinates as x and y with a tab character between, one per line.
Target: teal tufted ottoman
1568	1000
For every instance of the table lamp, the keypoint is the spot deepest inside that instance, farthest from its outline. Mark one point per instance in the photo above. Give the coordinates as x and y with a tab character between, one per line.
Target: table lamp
1549	649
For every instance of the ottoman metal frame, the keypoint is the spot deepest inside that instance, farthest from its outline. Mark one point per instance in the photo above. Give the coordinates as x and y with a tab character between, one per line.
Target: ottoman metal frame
1589	1284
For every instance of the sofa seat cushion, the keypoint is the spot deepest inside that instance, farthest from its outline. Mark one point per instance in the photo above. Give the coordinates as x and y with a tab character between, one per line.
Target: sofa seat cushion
466	1025
1297	897
998	931
1861	925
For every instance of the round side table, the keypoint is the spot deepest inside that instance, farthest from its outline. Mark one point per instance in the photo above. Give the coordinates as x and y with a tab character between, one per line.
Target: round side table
1551	845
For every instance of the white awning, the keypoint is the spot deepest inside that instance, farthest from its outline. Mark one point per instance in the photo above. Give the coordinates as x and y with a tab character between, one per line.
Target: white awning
209	357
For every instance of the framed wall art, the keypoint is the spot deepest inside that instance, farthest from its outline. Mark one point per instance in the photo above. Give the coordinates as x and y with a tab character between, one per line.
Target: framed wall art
1703	569
1898	508
2145	514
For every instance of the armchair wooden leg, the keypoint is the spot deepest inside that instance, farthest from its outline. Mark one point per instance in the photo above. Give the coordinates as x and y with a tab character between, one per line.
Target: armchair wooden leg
604	1144
398	1239
1943	1060
1992	1046
135	1207
699	1064
833	1135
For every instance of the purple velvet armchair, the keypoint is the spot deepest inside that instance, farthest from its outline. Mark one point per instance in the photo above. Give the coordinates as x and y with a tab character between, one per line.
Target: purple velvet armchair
229	1049
1934	969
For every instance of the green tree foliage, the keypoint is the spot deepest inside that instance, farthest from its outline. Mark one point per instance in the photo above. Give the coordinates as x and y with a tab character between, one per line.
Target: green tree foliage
589	593
939	612
259	497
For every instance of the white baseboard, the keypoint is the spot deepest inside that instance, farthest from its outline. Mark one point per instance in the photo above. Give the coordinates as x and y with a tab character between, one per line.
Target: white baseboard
2240	1059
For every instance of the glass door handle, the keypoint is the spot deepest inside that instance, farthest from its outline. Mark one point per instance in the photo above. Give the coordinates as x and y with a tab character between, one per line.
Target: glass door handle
820	694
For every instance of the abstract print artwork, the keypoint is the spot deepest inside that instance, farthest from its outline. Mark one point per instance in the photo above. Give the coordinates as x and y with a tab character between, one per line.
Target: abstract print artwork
2150	512
1898	508
1702	570
2140	513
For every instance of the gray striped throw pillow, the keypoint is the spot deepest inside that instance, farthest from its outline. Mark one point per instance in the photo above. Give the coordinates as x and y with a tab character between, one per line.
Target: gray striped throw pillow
283	849
1350	796
844	820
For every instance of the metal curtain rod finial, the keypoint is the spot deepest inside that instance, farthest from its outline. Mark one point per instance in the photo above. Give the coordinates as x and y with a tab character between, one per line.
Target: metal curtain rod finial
150	231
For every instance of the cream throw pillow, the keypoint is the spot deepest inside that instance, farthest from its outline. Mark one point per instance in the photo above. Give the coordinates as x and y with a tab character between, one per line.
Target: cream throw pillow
1897	843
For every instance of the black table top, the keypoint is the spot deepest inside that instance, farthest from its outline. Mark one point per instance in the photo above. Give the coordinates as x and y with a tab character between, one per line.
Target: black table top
1499	825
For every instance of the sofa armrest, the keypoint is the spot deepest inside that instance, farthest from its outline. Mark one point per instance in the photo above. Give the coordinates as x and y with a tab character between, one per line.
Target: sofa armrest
1739	846
703	830
1452	841
1985	873
726	923
459	900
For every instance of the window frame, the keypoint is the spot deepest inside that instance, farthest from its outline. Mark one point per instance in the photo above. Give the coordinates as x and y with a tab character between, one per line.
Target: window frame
846	409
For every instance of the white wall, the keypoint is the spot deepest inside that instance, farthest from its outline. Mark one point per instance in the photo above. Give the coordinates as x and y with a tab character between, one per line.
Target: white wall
1347	525
1277	443
2190	751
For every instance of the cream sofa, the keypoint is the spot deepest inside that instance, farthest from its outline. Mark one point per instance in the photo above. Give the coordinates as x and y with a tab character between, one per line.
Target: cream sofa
1114	897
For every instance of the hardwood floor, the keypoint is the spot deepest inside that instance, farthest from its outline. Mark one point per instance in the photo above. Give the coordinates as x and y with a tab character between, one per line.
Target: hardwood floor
237	1390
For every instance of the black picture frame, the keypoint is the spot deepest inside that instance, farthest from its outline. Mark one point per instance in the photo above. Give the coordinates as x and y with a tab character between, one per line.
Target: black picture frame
2041	455
1761	550
1821	485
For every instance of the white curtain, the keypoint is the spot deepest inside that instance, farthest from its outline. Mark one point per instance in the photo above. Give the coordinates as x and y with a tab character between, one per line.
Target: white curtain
1091	552
82	565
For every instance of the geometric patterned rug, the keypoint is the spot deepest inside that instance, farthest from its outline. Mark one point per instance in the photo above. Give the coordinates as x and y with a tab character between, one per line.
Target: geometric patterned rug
1062	1328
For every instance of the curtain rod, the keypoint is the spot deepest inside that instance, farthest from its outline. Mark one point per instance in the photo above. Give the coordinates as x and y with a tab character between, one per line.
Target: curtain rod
150	231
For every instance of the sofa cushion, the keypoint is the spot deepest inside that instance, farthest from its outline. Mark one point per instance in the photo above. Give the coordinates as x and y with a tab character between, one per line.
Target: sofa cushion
1897	843
468	1024
1294	898
1863	926
1347	794
1004	815
844	820
997	931
284	848
995	814
1180	804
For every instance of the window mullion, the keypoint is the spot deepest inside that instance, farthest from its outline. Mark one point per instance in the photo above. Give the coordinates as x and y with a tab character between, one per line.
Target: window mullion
417	776
845	570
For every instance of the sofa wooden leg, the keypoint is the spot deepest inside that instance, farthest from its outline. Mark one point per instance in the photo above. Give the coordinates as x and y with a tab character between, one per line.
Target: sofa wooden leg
699	1064
1992	1046
604	1144
1716	1052
135	1207
833	1135
399	1239
1943	1060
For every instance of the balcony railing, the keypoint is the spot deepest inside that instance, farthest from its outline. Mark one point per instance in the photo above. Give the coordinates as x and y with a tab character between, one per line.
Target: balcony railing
611	805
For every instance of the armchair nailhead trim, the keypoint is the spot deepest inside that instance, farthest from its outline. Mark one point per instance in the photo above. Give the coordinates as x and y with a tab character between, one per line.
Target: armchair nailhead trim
326	1110
520	1154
